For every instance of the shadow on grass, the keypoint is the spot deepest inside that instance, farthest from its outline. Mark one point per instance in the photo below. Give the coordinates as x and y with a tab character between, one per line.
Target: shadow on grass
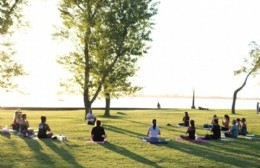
212	152
121	113
127	153
6	135
241	146
175	128
63	153
110	117
123	131
137	122
41	157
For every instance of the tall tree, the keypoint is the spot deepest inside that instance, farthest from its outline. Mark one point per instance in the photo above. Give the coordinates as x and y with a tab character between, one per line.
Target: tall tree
103	32
118	82
251	67
11	18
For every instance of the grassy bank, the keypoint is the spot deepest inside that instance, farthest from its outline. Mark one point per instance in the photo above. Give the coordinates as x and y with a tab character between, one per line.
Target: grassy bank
124	148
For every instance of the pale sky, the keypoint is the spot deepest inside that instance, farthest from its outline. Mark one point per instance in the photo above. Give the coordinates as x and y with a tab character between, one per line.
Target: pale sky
196	44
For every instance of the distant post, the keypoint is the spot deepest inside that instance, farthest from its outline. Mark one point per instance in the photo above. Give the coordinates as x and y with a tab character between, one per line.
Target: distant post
193	100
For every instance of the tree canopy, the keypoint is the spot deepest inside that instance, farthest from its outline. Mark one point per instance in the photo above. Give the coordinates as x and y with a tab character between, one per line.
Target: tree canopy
11	18
103	32
251	67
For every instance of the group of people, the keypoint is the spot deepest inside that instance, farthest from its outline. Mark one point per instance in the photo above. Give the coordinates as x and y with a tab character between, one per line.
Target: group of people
238	127
20	124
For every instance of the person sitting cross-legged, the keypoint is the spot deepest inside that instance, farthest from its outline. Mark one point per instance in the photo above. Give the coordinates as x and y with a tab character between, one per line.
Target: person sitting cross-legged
186	120
98	132
233	132
44	128
215	130
153	132
191	131
90	117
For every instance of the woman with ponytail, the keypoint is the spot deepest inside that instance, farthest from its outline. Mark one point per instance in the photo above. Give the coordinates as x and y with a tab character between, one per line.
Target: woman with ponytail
153	132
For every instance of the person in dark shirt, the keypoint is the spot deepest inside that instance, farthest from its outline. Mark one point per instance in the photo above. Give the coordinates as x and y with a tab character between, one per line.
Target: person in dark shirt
191	131
215	130
44	128
243	127
98	132
225	123
186	120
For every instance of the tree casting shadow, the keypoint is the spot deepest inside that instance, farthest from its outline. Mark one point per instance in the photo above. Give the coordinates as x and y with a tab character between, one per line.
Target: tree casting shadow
127	153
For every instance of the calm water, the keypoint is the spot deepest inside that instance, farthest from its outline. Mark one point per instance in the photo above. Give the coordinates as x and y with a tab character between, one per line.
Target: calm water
183	103
136	102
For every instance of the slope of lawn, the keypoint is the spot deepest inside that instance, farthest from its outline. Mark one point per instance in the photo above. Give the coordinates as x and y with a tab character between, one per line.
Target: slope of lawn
124	147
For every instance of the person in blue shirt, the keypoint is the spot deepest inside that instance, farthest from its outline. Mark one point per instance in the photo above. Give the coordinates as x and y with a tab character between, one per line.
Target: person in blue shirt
233	132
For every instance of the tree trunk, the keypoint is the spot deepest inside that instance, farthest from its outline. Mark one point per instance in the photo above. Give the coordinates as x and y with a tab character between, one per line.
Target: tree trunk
87	103
236	91
107	109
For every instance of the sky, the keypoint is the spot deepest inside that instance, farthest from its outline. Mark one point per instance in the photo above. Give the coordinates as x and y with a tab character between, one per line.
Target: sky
197	44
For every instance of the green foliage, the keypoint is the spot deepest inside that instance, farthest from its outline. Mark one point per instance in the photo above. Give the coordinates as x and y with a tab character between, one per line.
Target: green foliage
8	70
124	148
11	15
104	32
252	64
11	18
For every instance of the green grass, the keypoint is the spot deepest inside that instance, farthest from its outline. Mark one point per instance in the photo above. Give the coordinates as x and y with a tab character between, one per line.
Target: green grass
124	148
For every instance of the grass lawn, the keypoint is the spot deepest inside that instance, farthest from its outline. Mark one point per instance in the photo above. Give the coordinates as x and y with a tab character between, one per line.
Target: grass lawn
124	147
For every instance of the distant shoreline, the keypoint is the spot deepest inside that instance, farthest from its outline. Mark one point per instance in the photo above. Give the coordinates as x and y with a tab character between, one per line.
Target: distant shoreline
199	97
101	108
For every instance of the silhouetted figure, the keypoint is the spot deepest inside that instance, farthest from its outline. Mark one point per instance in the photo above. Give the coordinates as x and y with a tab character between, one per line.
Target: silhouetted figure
98	132
44	129
186	120
257	108
191	131
158	106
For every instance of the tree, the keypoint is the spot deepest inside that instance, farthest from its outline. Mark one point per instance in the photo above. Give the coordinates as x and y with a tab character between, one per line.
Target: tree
10	19
251	67
103	32
118	84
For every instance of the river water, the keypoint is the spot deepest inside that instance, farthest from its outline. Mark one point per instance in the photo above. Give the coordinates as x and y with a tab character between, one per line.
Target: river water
128	102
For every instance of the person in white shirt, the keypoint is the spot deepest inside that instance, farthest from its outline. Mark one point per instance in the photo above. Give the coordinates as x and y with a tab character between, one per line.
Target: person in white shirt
153	132
91	117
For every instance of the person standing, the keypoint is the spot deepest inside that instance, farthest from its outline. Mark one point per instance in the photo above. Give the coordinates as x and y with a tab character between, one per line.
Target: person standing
158	105
257	108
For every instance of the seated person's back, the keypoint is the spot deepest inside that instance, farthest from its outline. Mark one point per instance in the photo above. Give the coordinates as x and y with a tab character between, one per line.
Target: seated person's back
24	124
98	132
43	128
191	130
91	117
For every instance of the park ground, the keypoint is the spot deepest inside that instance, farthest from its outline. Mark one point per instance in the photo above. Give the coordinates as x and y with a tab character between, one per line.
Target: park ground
124	147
